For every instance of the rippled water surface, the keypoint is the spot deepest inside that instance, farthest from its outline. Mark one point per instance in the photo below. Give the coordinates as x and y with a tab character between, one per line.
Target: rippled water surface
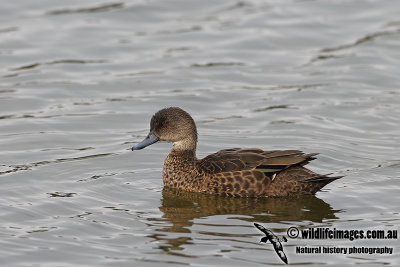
79	82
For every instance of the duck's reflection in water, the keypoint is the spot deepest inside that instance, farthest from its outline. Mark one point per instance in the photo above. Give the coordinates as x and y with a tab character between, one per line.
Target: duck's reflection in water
181	208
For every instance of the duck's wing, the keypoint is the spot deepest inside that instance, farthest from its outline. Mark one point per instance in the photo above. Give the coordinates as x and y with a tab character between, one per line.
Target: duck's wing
252	173
239	159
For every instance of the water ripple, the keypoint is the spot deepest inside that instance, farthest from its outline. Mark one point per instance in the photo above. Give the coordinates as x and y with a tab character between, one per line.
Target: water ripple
95	9
56	62
30	166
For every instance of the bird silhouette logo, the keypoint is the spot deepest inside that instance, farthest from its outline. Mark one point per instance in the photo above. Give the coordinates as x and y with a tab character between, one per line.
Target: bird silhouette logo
275	241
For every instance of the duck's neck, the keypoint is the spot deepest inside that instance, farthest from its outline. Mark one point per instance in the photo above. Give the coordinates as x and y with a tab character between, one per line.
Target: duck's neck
187	144
186	147
179	167
182	155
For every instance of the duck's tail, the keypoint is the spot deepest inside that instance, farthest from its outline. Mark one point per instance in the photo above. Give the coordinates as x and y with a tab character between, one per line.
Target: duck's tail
322	178
318	181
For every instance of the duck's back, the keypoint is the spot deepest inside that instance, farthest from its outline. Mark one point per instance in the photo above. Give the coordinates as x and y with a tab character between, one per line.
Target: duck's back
259	173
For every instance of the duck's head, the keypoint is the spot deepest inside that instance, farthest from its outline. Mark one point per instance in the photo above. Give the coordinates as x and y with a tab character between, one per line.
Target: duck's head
172	125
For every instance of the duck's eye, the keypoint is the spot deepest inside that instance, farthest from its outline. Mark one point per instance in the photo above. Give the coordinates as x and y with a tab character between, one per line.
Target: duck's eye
165	123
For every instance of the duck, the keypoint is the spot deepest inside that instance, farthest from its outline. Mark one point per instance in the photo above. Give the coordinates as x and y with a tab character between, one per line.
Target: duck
237	172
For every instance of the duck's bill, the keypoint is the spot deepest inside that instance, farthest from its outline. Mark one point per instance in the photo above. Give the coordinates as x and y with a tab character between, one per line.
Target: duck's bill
150	139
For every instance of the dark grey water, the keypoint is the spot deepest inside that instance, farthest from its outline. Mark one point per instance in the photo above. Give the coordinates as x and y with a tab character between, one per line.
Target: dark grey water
80	81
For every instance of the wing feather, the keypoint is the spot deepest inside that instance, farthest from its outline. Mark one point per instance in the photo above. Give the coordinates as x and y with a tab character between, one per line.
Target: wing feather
238	159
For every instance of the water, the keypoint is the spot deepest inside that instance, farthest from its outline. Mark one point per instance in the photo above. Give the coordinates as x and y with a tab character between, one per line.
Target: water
80	81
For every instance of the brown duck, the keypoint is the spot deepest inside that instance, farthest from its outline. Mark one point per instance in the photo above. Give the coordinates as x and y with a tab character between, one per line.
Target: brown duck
242	172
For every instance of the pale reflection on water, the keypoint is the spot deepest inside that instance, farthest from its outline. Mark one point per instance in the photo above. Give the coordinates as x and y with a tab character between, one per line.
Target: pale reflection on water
180	209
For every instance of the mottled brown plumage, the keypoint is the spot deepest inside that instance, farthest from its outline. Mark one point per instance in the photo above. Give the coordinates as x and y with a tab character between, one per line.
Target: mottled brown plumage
233	172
